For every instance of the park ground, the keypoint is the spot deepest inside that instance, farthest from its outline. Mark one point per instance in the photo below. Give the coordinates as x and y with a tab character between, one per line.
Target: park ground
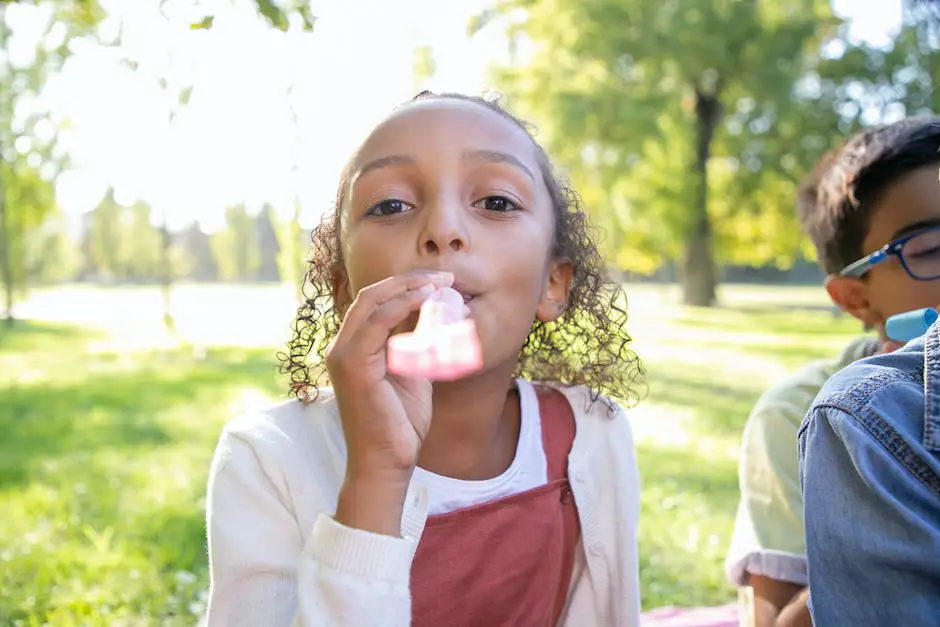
108	426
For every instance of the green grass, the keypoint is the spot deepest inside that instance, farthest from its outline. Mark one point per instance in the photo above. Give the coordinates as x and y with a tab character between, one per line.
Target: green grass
106	443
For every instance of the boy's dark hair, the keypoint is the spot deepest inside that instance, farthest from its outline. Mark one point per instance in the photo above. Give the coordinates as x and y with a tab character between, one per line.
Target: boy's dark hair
588	344
836	201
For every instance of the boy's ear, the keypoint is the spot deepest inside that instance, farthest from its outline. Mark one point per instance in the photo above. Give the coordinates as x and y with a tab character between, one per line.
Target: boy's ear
851	296
342	299
555	294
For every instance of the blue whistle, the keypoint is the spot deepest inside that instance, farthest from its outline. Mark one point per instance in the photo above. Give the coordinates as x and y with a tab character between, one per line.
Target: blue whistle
906	326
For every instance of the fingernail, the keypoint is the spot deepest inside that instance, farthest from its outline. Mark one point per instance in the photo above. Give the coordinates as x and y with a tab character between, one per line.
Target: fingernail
426	290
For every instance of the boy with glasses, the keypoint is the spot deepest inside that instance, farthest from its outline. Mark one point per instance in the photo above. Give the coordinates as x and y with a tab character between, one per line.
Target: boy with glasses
870	445
872	210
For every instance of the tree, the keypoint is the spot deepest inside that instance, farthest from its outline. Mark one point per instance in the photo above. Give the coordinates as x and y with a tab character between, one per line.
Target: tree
634	89
50	254
27	202
292	246
892	82
423	66
29	159
269	245
105	239
196	244
141	243
279	13
235	246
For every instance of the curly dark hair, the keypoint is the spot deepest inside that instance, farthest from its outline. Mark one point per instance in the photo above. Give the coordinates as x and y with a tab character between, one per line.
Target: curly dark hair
587	345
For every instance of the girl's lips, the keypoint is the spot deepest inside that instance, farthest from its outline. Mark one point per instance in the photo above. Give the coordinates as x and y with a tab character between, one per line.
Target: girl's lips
464	293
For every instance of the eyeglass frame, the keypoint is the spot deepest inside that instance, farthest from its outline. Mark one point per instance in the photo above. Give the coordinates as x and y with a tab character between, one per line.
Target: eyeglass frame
861	267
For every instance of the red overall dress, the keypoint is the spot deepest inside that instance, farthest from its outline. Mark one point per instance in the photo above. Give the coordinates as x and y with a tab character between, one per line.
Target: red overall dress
507	562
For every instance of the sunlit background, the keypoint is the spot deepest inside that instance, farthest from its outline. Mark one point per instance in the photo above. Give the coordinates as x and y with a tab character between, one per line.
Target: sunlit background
163	164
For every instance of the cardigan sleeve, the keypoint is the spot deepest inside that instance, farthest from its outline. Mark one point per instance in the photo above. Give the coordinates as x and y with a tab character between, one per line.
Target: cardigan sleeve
262	570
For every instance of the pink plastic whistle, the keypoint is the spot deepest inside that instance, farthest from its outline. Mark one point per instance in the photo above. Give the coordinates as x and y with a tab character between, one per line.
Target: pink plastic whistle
444	345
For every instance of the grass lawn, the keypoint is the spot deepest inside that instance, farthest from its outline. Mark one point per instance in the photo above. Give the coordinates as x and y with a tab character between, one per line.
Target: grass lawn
108	429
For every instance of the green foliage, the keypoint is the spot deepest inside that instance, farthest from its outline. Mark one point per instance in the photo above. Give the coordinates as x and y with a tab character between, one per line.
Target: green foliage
899	80
278	13
29	157
614	84
423	66
50	255
107	248
293	244
140	242
81	13
124	244
615	88
27	201
236	249
196	244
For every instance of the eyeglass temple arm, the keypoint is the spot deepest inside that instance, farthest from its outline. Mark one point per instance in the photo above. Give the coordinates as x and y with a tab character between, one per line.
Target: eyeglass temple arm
858	268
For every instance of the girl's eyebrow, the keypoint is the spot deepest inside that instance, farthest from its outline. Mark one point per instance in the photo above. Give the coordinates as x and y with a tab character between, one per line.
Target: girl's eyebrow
488	156
383	162
495	156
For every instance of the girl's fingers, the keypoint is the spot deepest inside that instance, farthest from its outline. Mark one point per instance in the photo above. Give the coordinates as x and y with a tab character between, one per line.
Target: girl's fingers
373	296
374	334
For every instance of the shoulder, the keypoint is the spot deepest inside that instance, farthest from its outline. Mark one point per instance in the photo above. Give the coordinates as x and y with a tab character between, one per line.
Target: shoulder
602	427
284	432
875	407
780	410
603	465
593	410
791	397
286	419
874	379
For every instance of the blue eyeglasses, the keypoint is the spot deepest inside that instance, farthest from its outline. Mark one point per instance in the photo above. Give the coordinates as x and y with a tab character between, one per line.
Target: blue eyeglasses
919	254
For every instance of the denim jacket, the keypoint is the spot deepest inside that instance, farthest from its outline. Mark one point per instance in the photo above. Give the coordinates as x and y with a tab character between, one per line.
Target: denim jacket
870	474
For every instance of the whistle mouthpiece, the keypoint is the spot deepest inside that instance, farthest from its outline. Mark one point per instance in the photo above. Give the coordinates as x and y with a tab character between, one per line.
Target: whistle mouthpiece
909	325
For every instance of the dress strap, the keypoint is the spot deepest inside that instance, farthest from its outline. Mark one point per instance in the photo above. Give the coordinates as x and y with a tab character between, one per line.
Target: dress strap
558	430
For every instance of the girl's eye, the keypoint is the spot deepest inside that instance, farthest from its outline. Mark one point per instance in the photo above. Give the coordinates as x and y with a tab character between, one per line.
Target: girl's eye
499	204
388	208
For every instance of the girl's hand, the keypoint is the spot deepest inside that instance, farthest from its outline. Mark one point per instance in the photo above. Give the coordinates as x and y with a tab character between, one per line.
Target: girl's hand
385	418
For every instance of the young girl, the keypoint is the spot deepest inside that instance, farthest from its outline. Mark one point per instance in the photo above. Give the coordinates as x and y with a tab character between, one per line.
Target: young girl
391	501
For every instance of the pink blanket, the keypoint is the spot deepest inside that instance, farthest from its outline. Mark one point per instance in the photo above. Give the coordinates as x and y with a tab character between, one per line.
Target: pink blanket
722	616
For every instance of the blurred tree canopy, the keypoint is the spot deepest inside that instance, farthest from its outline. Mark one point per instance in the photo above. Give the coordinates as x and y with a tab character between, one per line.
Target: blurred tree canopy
29	159
277	12
687	124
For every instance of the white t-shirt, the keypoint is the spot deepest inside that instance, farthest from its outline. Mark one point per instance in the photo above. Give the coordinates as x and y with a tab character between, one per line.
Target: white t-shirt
529	468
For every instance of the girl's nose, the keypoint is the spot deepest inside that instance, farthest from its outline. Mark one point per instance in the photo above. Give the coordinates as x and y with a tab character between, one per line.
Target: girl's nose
445	227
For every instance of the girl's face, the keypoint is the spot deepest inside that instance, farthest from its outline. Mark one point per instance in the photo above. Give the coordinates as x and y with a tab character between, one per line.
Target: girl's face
451	185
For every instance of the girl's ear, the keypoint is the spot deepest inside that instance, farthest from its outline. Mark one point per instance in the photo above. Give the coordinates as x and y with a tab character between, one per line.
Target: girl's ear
342	299
554	299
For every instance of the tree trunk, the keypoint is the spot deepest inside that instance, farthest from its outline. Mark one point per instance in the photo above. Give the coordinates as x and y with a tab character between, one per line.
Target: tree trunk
6	253
699	278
